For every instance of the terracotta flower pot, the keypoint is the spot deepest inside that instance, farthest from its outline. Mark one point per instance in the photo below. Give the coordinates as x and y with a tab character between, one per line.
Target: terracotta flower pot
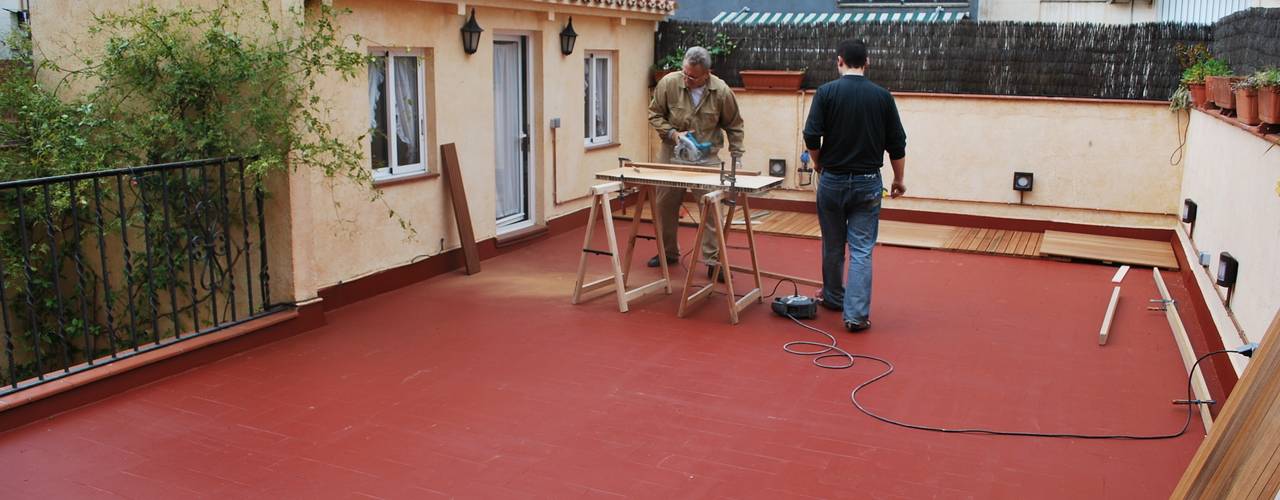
771	80
1269	104
1199	97
1210	86
1221	92
1247	106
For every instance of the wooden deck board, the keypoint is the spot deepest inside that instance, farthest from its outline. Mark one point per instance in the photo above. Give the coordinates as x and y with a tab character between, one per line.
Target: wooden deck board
1109	249
909	234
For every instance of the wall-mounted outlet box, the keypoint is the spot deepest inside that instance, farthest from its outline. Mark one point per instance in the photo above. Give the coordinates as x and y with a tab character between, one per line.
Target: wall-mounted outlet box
1205	258
555	123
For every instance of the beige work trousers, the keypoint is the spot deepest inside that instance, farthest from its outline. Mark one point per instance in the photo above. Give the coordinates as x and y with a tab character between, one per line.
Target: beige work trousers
669	201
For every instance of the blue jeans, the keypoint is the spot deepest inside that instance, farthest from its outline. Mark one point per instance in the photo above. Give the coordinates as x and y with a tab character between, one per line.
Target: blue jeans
849	213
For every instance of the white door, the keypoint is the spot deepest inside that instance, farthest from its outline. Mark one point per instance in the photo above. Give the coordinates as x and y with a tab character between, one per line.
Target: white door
511	134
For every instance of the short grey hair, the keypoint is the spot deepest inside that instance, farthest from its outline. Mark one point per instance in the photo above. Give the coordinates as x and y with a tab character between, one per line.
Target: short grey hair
698	56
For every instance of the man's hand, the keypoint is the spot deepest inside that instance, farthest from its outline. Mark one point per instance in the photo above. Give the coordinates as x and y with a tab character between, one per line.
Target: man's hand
899	172
899	189
675	135
817	165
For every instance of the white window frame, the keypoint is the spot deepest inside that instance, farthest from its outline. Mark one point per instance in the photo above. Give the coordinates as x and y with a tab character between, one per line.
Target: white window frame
593	139
391	171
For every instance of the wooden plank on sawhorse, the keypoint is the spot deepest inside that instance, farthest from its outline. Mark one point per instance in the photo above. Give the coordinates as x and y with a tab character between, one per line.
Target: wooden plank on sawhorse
684	168
711	214
601	196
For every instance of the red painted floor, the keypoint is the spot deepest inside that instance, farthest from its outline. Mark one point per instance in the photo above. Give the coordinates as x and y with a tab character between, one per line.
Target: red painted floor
494	386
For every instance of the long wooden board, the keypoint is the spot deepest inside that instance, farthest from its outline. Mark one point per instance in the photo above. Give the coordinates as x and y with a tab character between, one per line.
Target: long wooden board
461	212
1105	331
685	168
709	181
1241	457
1198	387
1109	249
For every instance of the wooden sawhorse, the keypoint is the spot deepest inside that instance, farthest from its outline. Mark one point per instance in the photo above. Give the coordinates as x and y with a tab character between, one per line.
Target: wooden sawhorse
601	195
711	214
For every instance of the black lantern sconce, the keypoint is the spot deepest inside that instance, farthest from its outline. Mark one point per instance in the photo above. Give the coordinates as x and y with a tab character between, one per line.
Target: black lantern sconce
1189	209
568	37
1228	270
471	34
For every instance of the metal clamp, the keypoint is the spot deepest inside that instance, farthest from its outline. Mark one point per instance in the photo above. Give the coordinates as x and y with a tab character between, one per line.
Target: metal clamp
729	178
1194	402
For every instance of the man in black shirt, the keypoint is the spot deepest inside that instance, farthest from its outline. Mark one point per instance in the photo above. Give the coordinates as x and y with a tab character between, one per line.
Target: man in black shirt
852	124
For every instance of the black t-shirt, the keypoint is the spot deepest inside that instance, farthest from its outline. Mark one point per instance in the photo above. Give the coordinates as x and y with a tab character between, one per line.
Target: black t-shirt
852	123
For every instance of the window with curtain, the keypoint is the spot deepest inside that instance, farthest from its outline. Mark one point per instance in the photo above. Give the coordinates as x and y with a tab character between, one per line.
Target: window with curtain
598	106
396	113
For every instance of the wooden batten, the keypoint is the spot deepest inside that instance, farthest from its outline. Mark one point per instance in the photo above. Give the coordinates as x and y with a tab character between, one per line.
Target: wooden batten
461	211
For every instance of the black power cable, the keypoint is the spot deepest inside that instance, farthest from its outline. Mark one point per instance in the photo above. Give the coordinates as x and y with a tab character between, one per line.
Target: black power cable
831	350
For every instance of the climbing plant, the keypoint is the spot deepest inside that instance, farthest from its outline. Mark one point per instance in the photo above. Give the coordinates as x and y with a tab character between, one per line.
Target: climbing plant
146	85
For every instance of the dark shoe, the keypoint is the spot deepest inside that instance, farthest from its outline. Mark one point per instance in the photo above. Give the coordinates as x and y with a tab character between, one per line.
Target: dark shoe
711	270
670	261
857	326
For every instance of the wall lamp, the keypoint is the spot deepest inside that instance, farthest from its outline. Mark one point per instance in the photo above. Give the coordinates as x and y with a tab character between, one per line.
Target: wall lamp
1023	182
777	167
1228	270
568	37
471	34
1189	209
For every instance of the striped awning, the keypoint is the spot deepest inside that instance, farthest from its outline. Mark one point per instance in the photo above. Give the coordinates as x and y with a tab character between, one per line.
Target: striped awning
929	16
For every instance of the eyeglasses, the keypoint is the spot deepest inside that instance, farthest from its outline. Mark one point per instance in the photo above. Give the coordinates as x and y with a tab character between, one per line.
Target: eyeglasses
689	80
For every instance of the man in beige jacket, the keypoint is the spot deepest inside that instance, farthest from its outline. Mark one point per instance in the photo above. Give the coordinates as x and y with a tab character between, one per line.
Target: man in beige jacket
692	101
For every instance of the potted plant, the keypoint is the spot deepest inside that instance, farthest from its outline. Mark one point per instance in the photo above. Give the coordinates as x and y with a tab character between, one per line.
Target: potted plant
668	64
1192	59
759	79
1181	98
1193	83
1246	97
1218	79
1269	96
719	48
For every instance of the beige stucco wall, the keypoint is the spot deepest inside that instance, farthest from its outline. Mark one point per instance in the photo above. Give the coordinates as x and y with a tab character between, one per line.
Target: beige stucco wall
327	229
1087	156
357	238
1232	175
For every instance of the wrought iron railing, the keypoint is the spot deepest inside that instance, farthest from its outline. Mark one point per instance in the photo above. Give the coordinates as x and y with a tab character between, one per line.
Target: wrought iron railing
99	266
